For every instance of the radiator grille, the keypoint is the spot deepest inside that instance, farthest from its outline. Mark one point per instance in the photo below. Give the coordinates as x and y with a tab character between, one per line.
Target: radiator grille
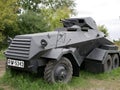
19	48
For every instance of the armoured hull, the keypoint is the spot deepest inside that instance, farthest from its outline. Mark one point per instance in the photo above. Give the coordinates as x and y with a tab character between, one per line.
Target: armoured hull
27	46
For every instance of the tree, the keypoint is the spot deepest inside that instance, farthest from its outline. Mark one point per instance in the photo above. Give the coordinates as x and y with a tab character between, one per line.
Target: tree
30	22
103	29
53	17
52	10
7	19
36	5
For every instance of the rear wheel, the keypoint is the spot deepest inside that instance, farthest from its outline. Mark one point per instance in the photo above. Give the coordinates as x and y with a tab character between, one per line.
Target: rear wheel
115	60
58	71
108	64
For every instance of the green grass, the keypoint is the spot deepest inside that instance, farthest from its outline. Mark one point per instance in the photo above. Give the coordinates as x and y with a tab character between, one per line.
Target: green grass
2	57
26	81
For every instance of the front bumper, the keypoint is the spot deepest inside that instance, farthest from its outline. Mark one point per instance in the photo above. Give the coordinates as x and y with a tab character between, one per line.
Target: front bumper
28	66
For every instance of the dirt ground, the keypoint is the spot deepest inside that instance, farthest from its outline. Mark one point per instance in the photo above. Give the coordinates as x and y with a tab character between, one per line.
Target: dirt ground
2	71
2	68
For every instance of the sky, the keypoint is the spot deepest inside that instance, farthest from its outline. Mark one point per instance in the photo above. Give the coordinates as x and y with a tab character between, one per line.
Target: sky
104	12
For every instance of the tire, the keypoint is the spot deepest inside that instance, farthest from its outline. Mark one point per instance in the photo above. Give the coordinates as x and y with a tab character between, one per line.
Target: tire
108	64
58	71
115	60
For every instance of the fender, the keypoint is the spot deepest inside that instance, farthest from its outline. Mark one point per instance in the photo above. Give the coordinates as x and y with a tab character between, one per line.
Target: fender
57	53
96	58
99	54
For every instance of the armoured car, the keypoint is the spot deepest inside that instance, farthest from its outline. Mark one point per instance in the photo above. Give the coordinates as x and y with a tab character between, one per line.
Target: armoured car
61	54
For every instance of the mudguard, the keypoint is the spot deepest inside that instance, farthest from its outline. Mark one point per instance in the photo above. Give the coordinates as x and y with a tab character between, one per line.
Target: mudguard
99	54
95	60
57	53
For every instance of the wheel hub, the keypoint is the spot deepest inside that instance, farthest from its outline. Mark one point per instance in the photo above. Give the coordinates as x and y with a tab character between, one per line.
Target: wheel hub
60	73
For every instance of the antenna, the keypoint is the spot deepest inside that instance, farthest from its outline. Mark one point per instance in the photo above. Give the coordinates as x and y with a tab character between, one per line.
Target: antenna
57	39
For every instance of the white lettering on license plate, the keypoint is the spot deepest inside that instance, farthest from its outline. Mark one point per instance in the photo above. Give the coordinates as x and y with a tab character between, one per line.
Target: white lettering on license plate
15	63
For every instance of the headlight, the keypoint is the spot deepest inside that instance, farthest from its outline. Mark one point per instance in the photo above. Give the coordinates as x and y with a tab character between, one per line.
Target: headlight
43	43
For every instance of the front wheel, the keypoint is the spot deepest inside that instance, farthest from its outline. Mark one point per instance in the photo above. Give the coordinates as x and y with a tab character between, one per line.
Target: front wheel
58	71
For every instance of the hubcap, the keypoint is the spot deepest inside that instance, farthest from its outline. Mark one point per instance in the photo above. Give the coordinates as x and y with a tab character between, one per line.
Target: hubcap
60	73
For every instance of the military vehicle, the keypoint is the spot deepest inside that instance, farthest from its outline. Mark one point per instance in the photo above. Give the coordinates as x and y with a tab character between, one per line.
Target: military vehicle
63	52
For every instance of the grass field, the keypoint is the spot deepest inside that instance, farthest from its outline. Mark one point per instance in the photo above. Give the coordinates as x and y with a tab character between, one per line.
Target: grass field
86	81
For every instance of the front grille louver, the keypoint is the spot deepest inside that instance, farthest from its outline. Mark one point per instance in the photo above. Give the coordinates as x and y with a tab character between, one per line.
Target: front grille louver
19	48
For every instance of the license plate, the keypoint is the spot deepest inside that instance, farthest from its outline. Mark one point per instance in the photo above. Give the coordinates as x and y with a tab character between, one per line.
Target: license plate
15	63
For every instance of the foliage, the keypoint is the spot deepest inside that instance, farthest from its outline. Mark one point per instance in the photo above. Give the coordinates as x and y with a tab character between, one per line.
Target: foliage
36	5
103	29
8	16
26	81
52	10
117	42
2	57
53	17
30	22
